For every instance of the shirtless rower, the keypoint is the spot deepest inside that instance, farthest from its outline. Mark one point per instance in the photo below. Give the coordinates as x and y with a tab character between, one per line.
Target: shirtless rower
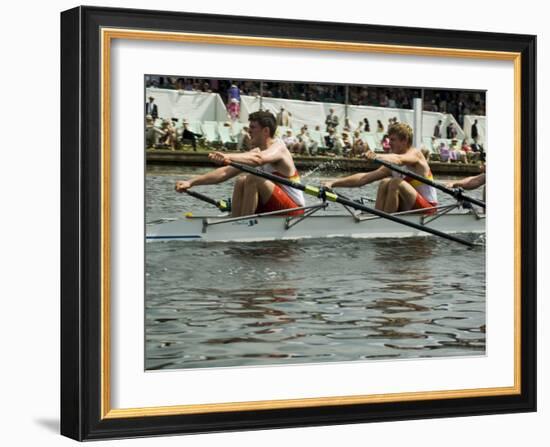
252	194
395	191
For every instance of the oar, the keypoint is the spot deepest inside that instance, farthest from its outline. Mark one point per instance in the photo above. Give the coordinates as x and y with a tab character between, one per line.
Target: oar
221	204
322	193
457	193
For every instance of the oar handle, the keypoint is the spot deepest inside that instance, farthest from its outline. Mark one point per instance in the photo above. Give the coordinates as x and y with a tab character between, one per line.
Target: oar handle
457	193
198	195
221	204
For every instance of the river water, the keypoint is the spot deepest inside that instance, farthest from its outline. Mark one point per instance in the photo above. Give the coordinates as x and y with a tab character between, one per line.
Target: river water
310	301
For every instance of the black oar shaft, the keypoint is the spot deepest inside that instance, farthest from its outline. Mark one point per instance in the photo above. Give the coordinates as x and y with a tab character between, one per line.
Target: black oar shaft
221	204
398	220
268	175
456	193
198	195
320	193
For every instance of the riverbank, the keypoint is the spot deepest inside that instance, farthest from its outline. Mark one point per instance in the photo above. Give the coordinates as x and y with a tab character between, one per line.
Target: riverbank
200	158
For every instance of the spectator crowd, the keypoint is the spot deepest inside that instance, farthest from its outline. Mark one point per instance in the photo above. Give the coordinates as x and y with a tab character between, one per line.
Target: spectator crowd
353	141
456	103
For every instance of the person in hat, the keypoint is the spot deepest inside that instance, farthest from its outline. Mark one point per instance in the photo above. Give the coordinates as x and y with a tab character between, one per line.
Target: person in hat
306	145
234	92
456	152
188	135
360	147
331	120
152	133
345	143
151	108
291	142
168	139
234	109
444	152
283	117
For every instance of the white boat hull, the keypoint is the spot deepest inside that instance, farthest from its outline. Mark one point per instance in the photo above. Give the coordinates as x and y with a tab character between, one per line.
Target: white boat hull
265	228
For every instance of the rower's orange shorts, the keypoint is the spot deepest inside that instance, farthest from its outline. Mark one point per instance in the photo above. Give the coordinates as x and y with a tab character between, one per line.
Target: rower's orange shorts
279	200
421	203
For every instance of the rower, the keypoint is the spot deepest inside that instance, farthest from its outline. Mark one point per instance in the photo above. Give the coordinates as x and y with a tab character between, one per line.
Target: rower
253	194
397	192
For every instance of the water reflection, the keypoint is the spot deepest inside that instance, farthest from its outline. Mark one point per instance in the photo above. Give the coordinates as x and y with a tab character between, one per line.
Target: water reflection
279	250
414	249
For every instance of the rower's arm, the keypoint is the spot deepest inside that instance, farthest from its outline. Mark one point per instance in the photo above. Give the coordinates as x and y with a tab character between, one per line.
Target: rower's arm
470	182
250	158
256	157
361	179
216	176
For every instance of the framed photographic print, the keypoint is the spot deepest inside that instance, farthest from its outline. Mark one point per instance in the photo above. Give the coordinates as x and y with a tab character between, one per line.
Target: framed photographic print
275	223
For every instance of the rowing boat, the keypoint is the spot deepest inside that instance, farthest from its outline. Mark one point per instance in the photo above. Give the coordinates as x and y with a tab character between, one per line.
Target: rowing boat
266	227
361	222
